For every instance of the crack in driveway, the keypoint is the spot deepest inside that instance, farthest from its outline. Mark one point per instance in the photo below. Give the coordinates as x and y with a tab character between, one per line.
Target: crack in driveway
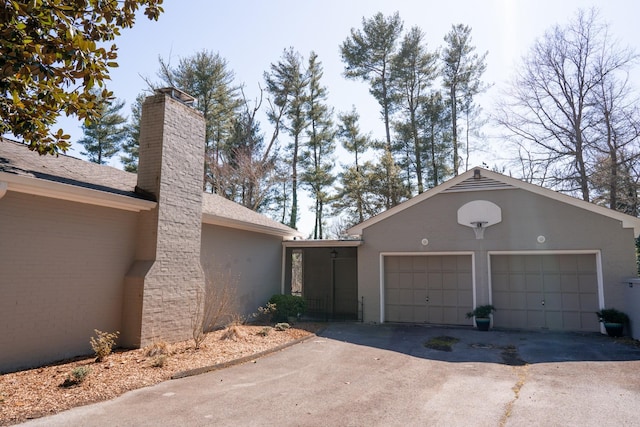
511	357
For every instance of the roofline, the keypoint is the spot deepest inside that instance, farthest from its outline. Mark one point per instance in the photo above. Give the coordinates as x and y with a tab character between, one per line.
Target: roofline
246	226
322	243
357	229
627	221
58	190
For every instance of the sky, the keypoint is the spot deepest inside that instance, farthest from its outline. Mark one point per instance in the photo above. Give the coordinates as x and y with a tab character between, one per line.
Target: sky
252	34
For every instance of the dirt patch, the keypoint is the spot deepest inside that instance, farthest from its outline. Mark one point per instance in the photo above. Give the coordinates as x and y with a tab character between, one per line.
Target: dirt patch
39	392
442	343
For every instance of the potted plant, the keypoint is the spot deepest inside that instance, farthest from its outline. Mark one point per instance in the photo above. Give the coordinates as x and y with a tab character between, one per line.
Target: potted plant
613	320
482	314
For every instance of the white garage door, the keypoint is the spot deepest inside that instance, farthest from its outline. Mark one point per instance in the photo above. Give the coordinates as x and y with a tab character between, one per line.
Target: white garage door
557	292
428	289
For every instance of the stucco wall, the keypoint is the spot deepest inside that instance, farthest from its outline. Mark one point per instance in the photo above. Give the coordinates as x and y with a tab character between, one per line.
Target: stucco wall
525	216
251	262
61	276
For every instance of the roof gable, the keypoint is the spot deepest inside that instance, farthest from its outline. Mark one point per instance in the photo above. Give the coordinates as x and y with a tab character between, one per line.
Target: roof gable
488	180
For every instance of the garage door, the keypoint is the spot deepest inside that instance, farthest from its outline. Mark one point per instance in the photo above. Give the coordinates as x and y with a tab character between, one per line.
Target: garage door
428	289
557	292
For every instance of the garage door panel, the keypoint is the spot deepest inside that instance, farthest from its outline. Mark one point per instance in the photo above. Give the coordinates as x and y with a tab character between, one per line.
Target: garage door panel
567	283
587	282
517	283
553	320
419	296
432	288
435	315
552	301
392	296
532	264
533	282
534	300
552	283
589	302
434	280
435	297
465	300
570	302
550	263
450	281
500	281
449	315
406	296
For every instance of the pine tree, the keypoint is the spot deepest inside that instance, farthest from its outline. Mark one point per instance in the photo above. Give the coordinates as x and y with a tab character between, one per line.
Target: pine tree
103	137
131	144
317	158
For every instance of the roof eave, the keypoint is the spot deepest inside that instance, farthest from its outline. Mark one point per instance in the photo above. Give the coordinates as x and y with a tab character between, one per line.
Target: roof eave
252	227
58	190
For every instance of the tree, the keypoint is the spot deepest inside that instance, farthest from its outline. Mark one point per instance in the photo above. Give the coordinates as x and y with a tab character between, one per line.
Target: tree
351	194
385	183
52	57
367	55
131	144
206	76
413	71
317	156
435	125
461	73
104	135
287	83
568	104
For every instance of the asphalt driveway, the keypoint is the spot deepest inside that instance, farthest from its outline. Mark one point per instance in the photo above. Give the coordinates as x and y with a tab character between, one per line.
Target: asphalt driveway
357	375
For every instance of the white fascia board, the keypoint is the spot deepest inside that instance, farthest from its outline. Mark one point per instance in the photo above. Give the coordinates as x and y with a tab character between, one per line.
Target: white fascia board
72	193
246	226
322	243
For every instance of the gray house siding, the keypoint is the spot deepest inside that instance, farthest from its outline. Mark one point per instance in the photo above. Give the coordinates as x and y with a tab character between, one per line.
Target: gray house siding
62	266
251	262
525	216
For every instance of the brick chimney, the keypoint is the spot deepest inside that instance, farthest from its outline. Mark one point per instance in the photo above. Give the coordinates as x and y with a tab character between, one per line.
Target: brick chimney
160	288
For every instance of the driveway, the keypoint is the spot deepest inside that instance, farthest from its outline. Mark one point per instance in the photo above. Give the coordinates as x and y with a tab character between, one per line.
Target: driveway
357	375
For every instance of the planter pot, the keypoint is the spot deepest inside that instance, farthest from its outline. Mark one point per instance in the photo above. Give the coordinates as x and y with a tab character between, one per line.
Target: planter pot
483	323
614	329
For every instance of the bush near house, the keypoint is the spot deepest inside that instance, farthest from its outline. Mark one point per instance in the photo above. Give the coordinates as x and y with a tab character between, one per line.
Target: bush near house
287	306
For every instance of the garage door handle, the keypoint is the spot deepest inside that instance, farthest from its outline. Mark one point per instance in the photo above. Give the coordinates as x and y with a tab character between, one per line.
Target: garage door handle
427	299
542	302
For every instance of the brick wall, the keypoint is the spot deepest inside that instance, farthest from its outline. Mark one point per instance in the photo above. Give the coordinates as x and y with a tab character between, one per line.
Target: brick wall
160	287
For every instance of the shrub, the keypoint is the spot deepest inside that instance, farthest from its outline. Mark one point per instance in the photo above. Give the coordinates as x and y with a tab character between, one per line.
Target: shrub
612	315
287	306
103	344
159	361
158	348
282	326
77	376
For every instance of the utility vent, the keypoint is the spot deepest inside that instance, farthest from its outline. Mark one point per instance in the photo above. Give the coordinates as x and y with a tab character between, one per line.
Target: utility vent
478	184
177	94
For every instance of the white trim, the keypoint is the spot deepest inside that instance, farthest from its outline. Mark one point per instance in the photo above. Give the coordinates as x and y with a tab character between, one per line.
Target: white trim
596	252
385	254
322	243
246	226
73	193
283	270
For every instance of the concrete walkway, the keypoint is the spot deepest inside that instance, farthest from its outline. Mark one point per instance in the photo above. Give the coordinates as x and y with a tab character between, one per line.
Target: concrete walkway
357	375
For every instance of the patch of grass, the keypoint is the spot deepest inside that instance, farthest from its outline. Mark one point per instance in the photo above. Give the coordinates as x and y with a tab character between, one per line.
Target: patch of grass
264	331
442	343
282	326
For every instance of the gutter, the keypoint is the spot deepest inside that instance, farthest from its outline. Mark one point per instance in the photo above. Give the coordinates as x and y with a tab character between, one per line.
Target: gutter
57	190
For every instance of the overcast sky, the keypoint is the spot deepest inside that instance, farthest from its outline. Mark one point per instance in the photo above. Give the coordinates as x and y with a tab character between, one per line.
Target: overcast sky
252	34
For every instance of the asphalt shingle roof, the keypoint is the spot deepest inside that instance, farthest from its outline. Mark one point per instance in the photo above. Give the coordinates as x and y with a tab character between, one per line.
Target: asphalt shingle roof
17	159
